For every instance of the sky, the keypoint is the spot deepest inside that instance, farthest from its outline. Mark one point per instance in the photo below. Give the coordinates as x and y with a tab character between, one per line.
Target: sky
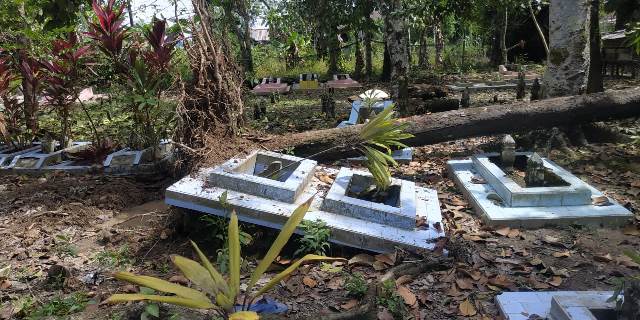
144	10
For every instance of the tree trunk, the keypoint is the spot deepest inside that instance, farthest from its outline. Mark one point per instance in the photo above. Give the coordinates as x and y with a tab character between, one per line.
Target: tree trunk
595	82
568	64
438	38
489	120
537	25
495	52
423	50
130	12
368	54
503	38
386	65
359	65
243	32
397	44
334	54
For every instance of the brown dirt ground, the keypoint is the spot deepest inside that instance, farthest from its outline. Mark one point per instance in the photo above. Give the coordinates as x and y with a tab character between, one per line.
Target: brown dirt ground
121	223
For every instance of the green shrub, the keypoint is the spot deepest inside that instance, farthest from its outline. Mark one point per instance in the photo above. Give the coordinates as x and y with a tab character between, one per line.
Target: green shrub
356	285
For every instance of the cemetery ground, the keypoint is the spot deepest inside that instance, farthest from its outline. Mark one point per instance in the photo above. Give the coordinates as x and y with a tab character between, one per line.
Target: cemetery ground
93	225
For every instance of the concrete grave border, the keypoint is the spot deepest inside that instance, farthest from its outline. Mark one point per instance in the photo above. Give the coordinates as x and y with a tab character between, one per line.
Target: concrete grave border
43	157
5	158
577	193
227	176
496	214
337	201
193	193
555	305
402	156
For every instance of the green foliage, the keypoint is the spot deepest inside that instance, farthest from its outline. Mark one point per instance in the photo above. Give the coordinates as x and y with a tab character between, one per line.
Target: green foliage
60	307
620	283
389	299
315	239
634	34
217	293
151	310
64	246
382	133
356	285
117	258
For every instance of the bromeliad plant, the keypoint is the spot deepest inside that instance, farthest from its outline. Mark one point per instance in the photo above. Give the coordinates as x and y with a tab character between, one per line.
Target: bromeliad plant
380	135
63	79
218	293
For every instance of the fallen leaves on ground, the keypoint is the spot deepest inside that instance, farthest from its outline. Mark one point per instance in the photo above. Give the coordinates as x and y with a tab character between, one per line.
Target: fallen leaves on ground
467	309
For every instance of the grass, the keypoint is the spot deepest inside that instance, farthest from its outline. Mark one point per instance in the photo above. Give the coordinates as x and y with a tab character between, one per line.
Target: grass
356	285
114	258
60	306
64	246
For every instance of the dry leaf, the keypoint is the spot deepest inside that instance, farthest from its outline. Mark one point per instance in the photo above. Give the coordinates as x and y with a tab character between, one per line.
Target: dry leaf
503	231
533	282
464	284
349	304
565	254
309	282
603	258
388	258
600	201
362	259
408	296
379	266
555	281
477	180
628	262
475	275
514	233
631	231
501	281
473	237
403	279
467	309
5	284
335	283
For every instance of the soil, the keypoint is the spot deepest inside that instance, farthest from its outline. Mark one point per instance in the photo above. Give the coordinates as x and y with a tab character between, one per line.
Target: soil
93	225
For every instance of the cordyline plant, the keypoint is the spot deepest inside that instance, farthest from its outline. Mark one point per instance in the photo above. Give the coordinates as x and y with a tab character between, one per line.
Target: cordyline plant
11	113
63	79
108	32
218	293
143	70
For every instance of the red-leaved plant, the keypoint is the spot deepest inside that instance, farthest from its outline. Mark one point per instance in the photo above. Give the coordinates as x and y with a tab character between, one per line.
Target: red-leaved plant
11	113
63	79
162	45
109	31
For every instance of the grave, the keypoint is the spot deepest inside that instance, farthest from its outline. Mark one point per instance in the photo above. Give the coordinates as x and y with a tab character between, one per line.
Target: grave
401	156
269	86
556	305
254	176
308	81
343	81
260	197
522	189
355	115
130	161
8	153
37	159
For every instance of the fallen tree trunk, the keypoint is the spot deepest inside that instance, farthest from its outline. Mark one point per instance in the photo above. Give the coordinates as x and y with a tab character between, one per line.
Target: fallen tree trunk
496	119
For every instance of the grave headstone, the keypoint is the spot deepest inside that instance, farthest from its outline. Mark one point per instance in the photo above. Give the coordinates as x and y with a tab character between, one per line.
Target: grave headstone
508	152
535	90
535	173
465	101
520	89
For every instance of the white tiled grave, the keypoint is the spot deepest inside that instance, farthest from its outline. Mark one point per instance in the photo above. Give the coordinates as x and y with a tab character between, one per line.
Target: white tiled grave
197	193
7	153
128	161
502	202
37	159
554	305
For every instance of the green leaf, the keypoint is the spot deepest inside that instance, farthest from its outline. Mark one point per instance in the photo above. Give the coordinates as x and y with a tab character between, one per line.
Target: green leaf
196	273
234	256
179	301
161	285
145	290
285	233
244	315
217	277
153	309
275	280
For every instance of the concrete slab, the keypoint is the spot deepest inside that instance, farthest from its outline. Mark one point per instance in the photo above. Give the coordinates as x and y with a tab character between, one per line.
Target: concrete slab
36	160
240	174
523	305
337	201
343	81
576	193
486	201
269	86
192	193
7	154
578	307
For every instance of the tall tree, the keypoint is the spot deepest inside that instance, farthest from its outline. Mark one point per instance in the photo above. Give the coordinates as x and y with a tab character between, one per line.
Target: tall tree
568	64
239	18
395	26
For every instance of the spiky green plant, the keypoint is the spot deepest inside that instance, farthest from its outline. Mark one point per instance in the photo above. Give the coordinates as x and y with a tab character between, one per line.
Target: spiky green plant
216	292
379	136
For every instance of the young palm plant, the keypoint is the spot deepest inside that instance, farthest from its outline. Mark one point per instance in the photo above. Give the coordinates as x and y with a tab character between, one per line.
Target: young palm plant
216	292
379	136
